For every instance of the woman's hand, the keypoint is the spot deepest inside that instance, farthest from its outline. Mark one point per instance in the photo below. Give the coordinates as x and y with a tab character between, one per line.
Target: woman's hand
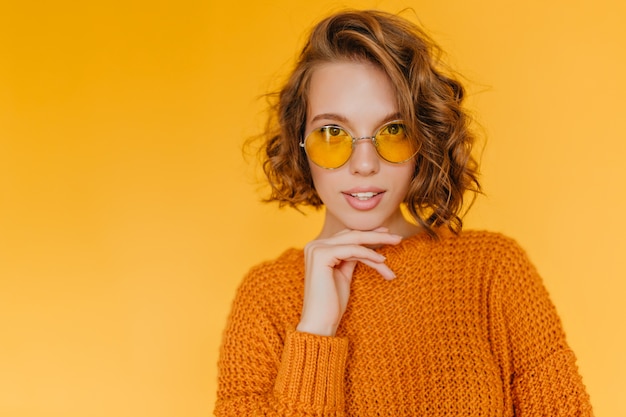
329	264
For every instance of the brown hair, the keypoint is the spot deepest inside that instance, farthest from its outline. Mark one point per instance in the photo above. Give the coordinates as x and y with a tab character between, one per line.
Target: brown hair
429	101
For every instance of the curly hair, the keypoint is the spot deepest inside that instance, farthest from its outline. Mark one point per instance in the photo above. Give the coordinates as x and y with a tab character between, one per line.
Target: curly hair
429	101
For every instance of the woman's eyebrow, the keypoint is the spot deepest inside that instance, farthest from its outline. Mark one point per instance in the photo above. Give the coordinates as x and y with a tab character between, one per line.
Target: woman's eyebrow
330	116
390	117
343	119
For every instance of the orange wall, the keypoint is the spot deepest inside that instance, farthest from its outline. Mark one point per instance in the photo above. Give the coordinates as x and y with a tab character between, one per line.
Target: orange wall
128	216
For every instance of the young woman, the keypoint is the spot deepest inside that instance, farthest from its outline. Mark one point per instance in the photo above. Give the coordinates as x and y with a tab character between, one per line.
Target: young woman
384	314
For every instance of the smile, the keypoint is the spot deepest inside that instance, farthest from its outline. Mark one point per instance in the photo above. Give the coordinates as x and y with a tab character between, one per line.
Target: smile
364	196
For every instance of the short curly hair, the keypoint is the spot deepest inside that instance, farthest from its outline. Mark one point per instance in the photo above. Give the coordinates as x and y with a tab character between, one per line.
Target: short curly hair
429	102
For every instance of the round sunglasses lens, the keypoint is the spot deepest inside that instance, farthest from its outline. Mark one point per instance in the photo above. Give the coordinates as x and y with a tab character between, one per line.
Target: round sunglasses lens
393	144
329	146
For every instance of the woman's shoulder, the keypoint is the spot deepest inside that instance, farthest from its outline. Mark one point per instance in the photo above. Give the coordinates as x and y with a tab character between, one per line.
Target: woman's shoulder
477	239
285	269
476	235
271	288
482	245
290	258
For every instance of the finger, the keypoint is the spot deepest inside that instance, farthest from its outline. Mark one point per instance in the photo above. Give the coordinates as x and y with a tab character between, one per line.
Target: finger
333	255
378	229
381	229
342	283
361	254
346	268
382	268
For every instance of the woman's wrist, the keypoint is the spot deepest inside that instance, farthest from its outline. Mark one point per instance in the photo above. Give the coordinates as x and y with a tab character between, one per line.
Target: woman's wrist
316	328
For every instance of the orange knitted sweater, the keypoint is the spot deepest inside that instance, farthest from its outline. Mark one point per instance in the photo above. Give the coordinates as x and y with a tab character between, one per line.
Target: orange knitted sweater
466	329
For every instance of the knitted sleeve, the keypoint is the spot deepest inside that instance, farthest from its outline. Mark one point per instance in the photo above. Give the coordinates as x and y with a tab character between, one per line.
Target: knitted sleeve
266	368
542	368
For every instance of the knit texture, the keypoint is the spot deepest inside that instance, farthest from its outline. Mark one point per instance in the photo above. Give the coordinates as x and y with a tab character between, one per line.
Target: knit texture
466	329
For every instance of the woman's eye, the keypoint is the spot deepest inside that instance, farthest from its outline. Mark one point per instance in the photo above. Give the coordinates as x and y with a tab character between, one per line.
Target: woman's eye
394	129
334	131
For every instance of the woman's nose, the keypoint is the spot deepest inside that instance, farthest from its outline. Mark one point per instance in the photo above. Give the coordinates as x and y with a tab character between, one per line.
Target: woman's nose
364	159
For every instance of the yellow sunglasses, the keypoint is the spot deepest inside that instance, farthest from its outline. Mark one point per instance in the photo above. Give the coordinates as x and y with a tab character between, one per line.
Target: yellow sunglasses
330	146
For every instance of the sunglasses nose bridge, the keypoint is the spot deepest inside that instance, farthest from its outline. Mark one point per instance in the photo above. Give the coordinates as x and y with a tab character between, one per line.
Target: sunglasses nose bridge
371	139
355	140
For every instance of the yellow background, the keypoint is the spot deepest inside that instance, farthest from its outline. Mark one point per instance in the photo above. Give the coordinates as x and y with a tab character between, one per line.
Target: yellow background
128	215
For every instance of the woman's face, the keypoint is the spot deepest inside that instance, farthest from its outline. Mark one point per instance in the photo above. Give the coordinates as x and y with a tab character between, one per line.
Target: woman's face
365	192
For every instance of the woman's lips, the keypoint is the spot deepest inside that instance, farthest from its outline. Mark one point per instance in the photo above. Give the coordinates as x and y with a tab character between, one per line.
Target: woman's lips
364	199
